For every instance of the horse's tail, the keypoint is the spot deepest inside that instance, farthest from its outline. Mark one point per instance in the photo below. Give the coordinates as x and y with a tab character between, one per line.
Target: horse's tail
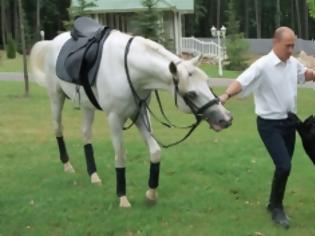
37	61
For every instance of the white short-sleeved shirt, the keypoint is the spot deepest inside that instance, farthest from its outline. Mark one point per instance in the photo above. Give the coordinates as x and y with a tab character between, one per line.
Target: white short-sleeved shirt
274	84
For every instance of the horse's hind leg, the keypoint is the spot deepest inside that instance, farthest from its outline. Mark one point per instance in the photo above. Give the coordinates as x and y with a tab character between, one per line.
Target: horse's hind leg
116	125
57	99
144	127
88	148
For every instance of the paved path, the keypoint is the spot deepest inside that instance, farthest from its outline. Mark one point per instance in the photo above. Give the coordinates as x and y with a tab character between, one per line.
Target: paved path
11	76
215	82
19	76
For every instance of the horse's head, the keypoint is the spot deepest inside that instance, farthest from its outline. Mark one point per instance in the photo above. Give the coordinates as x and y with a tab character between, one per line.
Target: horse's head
192	94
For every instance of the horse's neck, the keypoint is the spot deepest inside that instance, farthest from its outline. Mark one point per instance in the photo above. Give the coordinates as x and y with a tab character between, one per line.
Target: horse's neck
151	62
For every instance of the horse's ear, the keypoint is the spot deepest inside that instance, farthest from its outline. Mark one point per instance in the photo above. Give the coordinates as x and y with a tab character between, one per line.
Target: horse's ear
173	68
196	60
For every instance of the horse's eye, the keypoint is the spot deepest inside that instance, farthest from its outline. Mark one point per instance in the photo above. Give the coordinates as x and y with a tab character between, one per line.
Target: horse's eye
191	94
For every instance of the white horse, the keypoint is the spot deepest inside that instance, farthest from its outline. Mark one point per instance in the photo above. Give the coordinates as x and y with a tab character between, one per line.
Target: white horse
151	67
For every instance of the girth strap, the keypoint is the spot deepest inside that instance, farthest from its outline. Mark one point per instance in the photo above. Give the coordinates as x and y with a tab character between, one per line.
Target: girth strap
90	94
84	74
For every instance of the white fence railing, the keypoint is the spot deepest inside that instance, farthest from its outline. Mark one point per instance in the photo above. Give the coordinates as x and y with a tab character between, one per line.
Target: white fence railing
196	46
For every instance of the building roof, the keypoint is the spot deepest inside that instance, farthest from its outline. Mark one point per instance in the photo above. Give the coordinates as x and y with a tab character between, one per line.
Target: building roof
185	6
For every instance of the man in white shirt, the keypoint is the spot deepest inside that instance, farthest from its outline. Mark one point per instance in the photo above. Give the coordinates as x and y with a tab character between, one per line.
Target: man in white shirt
273	79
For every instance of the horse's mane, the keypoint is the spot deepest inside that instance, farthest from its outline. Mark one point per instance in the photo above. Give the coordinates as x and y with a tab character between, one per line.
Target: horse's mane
154	46
161	50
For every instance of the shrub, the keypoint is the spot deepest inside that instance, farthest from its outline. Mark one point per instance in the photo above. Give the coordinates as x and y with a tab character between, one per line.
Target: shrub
237	50
11	48
236	46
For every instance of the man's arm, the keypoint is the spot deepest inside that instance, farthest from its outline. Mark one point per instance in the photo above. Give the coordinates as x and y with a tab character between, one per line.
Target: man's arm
309	75
233	89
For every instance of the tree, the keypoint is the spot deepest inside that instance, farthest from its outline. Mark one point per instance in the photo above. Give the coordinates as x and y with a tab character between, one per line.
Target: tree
22	22
246	23
11	48
258	18
38	19
299	25
200	10
218	14
306	35
292	14
236	46
311	7
147	22
75	11
199	13
278	14
3	23
16	21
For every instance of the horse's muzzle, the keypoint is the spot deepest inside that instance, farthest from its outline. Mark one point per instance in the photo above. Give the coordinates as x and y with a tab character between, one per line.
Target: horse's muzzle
222	123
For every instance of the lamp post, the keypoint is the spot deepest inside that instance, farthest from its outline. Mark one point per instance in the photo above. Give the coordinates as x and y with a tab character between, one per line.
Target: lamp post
219	33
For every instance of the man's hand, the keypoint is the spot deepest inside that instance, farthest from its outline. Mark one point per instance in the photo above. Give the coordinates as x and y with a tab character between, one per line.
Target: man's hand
233	89
310	75
224	97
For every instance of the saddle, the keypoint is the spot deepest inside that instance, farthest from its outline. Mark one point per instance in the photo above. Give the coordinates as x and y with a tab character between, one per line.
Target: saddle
80	56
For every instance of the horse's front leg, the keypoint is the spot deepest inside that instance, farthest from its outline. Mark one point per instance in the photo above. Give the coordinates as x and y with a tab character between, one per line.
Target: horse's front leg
145	129
116	125
88	148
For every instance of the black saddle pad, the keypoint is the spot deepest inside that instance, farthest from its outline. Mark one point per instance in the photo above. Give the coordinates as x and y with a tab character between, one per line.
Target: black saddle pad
80	56
306	130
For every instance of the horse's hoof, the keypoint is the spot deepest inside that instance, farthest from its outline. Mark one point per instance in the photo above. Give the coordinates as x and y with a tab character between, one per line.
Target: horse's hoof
95	179
67	167
151	195
124	203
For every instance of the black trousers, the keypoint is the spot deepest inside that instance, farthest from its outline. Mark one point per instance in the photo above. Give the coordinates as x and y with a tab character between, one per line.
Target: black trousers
279	139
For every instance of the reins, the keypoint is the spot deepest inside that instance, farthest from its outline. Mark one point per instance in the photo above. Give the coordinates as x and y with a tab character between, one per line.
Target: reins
139	101
142	102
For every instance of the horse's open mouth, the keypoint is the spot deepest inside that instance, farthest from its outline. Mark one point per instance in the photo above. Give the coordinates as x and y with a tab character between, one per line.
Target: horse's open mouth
218	127
215	127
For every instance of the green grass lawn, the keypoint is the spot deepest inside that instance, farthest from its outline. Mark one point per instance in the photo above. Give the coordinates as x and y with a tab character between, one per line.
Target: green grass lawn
11	65
212	184
212	71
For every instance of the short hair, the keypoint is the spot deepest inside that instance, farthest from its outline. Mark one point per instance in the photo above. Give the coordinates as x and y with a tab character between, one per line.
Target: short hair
279	32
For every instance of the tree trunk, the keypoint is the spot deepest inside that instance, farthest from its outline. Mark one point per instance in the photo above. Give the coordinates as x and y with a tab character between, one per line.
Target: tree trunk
292	15
246	24
21	13
258	19
3	24
218	14
16	22
306	21
278	14
38	20
298	16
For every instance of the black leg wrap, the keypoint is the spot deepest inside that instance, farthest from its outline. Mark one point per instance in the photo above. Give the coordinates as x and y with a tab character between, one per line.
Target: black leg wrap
154	175
89	157
121	182
62	150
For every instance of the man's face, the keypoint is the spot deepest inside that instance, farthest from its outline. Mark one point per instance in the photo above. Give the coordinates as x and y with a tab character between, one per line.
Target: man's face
285	45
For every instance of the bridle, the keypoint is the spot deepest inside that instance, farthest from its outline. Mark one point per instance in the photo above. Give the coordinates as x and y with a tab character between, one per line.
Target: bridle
197	111
143	102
